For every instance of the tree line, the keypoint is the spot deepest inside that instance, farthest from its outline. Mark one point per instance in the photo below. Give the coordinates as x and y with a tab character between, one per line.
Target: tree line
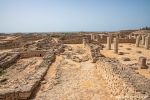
145	28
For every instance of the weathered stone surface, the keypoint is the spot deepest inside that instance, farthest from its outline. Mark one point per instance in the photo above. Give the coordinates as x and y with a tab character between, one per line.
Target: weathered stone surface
123	80
142	63
120	53
125	59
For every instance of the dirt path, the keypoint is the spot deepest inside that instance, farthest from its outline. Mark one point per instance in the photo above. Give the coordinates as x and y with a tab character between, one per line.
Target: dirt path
68	80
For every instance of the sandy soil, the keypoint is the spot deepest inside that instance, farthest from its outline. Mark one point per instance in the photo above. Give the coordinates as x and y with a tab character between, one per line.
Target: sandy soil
132	54
69	80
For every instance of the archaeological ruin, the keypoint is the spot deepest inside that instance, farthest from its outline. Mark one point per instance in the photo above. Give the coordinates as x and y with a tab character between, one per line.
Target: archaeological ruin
78	66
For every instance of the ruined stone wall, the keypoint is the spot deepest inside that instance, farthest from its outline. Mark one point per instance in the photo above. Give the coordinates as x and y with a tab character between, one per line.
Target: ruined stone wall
93	51
10	45
127	40
27	88
123	81
7	59
36	53
120	41
71	41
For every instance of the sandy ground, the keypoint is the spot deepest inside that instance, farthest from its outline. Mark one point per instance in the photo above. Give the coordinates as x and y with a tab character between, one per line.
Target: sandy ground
70	80
132	54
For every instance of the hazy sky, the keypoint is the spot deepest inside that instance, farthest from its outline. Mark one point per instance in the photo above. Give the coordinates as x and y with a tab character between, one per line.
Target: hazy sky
73	15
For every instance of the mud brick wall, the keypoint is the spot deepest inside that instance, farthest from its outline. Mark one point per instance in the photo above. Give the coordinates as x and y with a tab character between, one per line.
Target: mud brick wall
27	88
123	81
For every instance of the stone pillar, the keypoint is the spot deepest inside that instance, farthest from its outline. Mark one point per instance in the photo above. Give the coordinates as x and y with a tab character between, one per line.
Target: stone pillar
108	43
97	37
143	40
91	36
84	41
142	63
115	45
129	36
137	41
94	37
147	42
101	36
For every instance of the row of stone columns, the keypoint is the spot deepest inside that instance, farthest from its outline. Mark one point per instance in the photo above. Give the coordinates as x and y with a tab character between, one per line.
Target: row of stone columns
85	41
115	44
145	41
96	37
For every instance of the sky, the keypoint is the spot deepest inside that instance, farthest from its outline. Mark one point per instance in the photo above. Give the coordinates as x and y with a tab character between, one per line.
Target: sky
73	15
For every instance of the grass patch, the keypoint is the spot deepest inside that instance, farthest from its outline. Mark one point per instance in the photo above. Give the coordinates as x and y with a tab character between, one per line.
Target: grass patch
2	72
14	66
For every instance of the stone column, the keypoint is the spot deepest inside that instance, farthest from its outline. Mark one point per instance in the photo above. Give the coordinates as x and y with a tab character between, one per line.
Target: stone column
84	41
143	40
97	37
142	63
137	41
147	42
108	43
129	36
101	36
91	36
115	45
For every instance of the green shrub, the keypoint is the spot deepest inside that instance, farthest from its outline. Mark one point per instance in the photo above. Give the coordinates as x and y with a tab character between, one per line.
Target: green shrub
2	72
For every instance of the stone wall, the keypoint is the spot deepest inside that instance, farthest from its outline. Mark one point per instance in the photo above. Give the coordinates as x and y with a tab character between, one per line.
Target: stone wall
71	41
93	51
27	87
33	53
7	59
10	45
123	81
120	41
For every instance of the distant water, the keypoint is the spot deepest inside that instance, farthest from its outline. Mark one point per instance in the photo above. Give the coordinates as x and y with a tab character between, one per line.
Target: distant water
55	32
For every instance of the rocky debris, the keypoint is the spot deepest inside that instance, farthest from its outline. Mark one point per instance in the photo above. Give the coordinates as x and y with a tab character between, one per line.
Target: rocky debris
122	79
78	50
120	53
138	52
43	82
69	48
63	62
128	48
3	79
76	59
84	58
125	59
